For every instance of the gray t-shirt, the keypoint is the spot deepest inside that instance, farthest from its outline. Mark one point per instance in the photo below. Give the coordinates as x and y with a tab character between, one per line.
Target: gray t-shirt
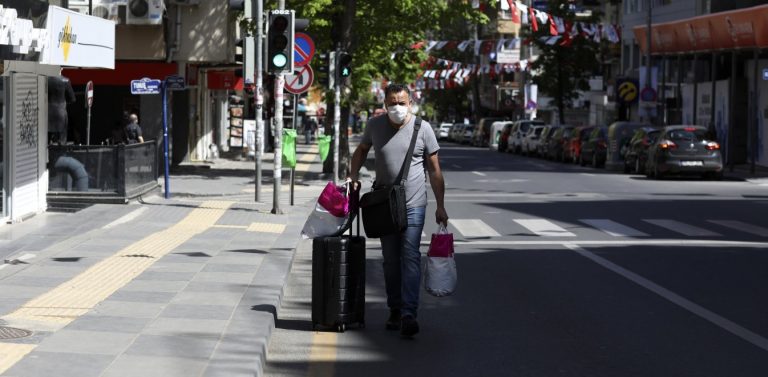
390	146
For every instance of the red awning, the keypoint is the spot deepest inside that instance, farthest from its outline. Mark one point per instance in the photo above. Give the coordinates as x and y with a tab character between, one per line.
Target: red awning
122	75
224	80
742	28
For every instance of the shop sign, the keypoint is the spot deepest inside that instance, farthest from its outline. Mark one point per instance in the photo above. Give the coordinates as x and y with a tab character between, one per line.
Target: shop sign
78	40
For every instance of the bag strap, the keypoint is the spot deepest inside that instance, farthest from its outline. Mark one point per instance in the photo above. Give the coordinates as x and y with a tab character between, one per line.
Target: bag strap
406	166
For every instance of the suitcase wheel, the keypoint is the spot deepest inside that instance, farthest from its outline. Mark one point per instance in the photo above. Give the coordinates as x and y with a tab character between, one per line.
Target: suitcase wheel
341	327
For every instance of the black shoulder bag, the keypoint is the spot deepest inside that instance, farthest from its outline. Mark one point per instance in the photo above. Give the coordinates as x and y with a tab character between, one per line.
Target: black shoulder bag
384	211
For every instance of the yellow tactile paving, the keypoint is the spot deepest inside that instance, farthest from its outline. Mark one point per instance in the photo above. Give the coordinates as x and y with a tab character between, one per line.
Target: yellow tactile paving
267	228
11	353
77	296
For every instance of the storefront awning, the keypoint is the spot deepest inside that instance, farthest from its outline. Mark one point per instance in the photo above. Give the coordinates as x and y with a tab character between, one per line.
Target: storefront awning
737	29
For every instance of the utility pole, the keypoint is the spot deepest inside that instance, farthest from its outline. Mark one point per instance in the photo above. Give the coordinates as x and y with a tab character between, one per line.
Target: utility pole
259	92
278	155
336	116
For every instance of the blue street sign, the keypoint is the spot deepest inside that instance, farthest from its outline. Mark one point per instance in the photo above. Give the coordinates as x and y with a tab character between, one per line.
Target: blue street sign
145	86
765	74
175	82
303	49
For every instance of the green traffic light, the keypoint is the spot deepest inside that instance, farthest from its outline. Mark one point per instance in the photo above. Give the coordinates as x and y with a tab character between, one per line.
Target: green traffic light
345	72
279	60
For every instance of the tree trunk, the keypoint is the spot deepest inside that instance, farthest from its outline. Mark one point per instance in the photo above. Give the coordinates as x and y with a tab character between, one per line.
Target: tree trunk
559	95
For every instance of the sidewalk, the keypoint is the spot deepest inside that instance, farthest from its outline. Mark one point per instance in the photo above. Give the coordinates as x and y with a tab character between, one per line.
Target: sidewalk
182	287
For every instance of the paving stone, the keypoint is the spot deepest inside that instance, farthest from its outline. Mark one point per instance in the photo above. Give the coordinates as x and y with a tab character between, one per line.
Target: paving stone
211	286
191	311
67	272
143	296
173	346
166	276
109	323
33	281
208	298
252	259
224	277
153	285
87	342
162	266
127	309
206	328
216	267
60	364
154	366
19	291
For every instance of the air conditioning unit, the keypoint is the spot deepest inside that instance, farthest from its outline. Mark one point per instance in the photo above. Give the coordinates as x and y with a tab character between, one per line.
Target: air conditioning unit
145	12
107	9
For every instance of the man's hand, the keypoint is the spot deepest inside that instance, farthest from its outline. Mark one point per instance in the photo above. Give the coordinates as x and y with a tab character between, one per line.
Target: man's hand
441	216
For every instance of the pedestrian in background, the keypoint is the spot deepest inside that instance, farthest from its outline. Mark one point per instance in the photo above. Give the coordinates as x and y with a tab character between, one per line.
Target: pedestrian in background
390	135
309	129
133	130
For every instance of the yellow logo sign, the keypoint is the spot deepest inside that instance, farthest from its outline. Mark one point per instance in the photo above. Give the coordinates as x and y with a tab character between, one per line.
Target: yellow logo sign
66	39
628	91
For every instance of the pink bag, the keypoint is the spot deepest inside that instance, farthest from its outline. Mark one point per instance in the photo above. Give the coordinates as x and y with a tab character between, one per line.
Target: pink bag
442	243
334	201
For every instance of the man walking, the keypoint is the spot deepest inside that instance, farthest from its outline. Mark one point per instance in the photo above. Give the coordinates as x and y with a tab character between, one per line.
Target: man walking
133	130
390	135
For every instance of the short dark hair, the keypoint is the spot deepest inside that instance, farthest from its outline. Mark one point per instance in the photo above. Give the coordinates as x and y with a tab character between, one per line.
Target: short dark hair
396	88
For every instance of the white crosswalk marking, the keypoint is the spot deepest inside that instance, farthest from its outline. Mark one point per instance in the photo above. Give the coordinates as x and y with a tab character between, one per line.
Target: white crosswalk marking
545	228
473	228
613	228
744	227
682	228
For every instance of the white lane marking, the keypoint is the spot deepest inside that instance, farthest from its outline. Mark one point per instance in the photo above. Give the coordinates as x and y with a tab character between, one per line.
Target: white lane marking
472	228
26	256
456	166
479	173
682	228
545	228
2	266
588	174
744	227
613	228
130	216
676	299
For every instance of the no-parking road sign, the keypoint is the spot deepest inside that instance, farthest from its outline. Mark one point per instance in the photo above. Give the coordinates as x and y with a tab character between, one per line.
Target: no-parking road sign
303	50
300	80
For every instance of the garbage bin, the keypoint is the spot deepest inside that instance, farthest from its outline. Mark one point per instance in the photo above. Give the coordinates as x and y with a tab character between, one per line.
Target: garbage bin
289	147
324	146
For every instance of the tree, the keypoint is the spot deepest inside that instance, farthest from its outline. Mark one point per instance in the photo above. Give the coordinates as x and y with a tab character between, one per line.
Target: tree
562	69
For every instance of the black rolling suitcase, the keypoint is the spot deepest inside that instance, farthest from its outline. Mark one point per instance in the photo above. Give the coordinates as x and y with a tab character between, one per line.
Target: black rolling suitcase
338	280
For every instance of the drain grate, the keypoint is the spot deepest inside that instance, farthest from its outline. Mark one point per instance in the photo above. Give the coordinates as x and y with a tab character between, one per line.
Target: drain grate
13	333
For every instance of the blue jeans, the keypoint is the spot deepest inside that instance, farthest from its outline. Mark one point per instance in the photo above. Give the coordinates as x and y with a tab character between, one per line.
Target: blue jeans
402	264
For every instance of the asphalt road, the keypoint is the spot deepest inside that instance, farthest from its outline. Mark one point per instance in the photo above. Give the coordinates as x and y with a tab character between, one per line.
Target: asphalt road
564	271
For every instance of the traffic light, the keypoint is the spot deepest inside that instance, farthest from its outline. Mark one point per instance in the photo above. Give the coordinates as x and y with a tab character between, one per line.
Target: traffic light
324	70
280	41
344	64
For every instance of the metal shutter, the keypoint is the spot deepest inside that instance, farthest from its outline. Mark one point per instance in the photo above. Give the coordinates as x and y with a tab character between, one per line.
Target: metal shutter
24	193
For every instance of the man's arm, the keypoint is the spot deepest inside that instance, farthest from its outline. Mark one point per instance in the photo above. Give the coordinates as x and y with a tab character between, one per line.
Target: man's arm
438	188
358	158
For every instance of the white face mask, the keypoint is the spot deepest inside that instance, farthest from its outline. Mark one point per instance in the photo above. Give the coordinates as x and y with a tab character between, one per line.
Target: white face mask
397	113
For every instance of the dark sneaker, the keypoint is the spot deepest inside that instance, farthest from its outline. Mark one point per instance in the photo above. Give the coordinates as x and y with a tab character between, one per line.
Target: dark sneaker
393	322
409	327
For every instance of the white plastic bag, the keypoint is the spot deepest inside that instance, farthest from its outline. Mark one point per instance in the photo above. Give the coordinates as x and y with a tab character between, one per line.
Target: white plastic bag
440	277
322	223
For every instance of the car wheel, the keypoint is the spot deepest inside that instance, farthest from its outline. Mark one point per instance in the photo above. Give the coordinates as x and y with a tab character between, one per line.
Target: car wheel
657	174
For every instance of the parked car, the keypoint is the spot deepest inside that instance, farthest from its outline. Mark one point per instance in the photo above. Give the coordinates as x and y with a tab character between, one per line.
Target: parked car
456	130
619	134
636	149
684	150
518	132
558	143
497	128
466	136
481	136
542	148
504	138
444	130
594	148
530	142
580	134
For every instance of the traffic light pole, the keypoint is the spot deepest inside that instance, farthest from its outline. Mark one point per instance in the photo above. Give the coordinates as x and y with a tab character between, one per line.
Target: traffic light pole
336	114
278	138
259	92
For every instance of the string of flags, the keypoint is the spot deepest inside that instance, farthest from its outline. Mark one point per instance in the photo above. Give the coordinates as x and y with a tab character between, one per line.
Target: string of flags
443	73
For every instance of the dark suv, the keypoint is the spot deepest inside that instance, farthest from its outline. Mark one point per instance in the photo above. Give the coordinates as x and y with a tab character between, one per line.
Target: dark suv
684	150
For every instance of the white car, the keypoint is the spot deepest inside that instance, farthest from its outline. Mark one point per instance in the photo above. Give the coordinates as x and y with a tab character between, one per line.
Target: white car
518	132
443	131
530	143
